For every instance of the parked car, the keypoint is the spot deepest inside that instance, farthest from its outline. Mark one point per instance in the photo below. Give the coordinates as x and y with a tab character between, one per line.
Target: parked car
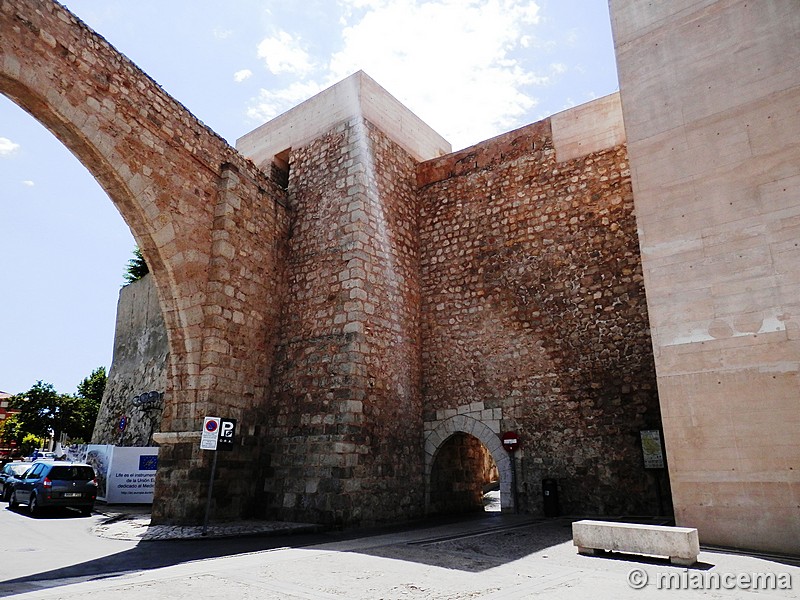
42	454
56	483
11	471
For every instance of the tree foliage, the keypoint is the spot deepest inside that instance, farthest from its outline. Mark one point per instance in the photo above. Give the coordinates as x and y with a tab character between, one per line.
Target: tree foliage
137	267
44	412
90	393
93	386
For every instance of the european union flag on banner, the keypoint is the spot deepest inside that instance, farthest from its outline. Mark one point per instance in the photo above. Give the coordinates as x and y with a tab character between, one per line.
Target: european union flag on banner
148	462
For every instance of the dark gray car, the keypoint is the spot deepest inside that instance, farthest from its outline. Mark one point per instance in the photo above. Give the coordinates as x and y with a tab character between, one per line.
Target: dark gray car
56	483
11	472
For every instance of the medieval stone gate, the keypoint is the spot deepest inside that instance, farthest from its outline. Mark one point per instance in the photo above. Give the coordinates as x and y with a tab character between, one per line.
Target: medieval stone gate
358	294
199	211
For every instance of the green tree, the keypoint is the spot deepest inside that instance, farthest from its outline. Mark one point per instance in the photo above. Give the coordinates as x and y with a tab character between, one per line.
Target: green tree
29	443
43	411
90	393
93	386
11	429
137	267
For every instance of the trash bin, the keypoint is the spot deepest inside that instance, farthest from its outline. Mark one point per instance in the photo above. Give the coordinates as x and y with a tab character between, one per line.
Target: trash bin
550	495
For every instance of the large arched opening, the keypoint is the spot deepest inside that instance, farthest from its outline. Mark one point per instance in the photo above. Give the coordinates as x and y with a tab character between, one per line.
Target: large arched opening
210	226
464	463
63	253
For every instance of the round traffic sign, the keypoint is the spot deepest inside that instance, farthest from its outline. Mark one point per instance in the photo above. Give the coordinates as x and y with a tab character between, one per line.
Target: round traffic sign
211	425
510	441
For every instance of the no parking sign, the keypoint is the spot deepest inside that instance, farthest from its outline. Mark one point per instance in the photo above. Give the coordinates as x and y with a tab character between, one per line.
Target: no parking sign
210	433
217	434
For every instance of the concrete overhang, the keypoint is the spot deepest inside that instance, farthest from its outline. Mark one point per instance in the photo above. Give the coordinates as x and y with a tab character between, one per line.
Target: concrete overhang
356	95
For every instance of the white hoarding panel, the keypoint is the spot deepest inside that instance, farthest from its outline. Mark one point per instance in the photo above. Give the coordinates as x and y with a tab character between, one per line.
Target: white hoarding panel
132	477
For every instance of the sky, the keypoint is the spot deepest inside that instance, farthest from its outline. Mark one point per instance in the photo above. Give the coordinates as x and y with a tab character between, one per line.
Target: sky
471	69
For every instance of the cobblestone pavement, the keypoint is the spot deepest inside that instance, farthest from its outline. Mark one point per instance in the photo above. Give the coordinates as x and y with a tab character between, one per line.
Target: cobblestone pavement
494	558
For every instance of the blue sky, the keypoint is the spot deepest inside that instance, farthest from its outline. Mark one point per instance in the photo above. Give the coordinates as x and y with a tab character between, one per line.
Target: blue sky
470	69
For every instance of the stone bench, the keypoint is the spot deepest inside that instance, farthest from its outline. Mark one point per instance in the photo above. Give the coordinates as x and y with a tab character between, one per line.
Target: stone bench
681	544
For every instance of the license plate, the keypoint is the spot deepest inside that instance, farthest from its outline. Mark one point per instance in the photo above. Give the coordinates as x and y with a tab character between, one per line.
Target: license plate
72	495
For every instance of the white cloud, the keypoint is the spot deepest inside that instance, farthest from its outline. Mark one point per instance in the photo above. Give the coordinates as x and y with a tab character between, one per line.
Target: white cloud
28	183
7	147
460	65
222	34
240	76
451	61
283	53
270	104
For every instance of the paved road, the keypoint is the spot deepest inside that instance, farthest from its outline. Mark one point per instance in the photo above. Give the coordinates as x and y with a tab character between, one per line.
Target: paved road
493	557
60	546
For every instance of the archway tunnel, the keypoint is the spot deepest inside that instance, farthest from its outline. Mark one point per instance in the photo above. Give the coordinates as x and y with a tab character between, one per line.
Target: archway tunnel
464	477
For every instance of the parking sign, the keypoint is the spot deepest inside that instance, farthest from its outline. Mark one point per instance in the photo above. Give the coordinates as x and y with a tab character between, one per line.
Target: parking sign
227	432
210	433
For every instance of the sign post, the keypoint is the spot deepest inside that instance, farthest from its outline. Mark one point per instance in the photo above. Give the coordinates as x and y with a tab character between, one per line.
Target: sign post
510	441
218	434
123	423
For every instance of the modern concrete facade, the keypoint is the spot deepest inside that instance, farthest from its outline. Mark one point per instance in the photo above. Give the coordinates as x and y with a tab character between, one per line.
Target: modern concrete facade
711	98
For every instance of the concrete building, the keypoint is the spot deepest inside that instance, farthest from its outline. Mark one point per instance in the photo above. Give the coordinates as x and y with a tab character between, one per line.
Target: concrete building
711	97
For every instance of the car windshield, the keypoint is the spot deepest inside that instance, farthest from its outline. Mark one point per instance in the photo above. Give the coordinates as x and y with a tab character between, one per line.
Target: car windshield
19	469
71	473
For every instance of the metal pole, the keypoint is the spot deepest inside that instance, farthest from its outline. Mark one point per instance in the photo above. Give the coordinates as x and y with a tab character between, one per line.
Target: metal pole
514	482
657	475
210	488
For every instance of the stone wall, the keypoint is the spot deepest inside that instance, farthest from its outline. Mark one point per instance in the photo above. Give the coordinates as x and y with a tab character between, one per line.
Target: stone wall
210	224
534	317
347	434
138	366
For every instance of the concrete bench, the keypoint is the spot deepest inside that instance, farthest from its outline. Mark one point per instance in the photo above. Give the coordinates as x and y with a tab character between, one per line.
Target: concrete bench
681	544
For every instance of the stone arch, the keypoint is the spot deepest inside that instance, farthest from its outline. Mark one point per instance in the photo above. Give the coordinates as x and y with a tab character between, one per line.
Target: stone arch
209	223
435	439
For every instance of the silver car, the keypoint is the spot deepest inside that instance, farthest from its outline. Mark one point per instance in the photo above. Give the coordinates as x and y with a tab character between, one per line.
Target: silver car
55	483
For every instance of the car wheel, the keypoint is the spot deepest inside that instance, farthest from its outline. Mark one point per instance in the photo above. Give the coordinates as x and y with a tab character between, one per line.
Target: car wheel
33	505
12	502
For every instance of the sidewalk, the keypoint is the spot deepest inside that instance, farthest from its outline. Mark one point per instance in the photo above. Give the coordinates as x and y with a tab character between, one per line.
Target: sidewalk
132	522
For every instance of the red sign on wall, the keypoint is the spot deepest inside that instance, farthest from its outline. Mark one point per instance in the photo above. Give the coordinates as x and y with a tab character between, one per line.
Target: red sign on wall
510	441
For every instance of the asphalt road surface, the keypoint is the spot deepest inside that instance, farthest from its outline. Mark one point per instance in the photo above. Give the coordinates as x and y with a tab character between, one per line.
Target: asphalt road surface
490	556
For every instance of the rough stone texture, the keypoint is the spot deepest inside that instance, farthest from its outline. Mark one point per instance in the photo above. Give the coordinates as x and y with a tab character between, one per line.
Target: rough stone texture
710	93
139	366
534	314
361	310
210	225
347	433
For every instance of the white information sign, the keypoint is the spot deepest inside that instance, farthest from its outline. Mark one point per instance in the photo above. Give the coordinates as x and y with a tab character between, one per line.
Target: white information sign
132	476
652	450
210	433
125	475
